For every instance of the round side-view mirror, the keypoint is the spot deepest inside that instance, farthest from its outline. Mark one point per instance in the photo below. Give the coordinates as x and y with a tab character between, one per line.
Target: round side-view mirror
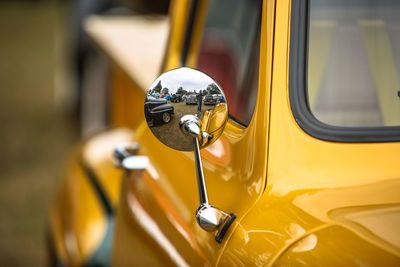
187	110
183	104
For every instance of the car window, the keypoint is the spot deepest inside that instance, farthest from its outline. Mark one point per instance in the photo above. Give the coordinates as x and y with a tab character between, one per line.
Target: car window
354	62
229	52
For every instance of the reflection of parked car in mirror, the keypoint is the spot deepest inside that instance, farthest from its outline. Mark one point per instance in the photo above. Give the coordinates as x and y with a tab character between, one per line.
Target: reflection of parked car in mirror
157	111
156	95
176	98
191	99
210	100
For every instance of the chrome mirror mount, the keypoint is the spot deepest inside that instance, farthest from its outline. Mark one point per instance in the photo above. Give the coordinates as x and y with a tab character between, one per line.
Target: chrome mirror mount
197	112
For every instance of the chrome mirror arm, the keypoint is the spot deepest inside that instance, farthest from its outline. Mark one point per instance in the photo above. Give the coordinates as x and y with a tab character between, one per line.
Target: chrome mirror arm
201	183
195	123
208	217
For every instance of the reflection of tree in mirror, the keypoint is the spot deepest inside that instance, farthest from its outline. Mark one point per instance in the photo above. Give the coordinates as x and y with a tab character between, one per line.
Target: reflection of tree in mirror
212	88
165	90
158	87
180	91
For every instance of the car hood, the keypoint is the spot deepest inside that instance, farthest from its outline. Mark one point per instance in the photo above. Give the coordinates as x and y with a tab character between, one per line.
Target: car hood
155	101
163	107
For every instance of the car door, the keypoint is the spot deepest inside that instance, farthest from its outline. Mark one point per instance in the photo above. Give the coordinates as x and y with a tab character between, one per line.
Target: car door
155	221
332	194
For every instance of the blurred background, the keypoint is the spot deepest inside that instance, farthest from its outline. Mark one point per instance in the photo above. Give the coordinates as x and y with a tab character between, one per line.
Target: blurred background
44	64
38	127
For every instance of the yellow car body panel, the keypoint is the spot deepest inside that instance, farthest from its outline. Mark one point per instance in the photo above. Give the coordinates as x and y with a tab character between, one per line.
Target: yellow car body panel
171	177
298	200
178	13
325	203
78	219
126	97
213	119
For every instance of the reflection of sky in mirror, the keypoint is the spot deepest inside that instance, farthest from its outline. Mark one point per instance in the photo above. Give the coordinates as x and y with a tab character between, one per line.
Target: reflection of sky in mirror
189	79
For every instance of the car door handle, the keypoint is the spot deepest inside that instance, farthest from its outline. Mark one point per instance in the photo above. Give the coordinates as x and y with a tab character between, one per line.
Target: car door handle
125	157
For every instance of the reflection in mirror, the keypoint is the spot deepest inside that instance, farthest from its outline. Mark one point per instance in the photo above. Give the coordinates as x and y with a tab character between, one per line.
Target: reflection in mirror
181	92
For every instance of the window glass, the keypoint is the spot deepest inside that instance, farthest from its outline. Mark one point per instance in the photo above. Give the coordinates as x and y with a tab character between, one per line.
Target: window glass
354	62
229	52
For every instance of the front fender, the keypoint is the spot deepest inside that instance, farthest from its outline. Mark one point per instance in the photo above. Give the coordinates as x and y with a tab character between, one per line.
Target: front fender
353	225
352	248
81	216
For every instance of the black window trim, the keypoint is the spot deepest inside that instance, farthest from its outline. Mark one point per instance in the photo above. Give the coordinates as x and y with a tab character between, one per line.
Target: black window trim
298	73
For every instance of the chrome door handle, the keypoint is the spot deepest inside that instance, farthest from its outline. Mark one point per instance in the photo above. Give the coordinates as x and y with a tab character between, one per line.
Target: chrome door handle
125	156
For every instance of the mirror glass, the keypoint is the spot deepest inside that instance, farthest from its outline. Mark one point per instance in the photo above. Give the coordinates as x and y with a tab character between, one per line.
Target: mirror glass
180	92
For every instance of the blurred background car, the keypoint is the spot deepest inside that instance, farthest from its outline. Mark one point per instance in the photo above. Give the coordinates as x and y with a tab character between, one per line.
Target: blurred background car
176	98
210	99
191	99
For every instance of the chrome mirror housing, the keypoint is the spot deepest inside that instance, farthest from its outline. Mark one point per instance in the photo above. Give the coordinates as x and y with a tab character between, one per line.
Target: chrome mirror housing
174	97
187	110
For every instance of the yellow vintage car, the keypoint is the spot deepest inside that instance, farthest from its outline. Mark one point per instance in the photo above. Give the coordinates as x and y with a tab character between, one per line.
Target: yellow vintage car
305	170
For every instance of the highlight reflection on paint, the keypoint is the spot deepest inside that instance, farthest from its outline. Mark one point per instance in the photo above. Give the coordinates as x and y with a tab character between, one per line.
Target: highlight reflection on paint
149	225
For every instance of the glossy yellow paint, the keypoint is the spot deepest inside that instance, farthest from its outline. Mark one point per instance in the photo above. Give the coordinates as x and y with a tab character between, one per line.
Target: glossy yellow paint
298	200
325	203
171	177
126	105
76	233
178	13
200	19
126	96
77	218
213	119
